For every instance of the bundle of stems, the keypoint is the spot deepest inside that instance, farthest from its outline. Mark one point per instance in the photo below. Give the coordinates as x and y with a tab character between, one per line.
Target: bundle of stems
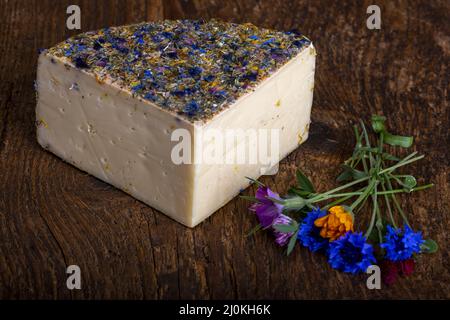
372	175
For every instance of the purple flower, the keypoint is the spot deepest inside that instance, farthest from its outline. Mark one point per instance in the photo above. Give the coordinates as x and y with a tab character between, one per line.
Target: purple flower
282	238
265	209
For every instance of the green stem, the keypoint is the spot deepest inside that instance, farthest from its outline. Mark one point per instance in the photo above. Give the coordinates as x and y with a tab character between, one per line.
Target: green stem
388	205
379	224
338	201
361	205
397	205
372	222
422	187
355	151
366	137
366	192
316	198
358	193
400	164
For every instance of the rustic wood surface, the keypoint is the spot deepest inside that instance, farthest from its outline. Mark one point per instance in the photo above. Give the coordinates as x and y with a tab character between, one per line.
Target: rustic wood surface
53	215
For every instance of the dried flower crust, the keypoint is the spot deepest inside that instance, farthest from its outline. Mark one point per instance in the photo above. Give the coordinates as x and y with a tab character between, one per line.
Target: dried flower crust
191	67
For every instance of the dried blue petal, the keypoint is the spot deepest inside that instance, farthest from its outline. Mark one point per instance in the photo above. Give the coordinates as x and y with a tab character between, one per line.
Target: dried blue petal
168	35
252	76
80	63
148	74
301	42
209	78
150	96
172	54
137	87
271	40
191	108
195	71
97	46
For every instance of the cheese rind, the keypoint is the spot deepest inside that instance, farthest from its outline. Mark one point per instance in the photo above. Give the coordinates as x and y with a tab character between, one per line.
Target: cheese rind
105	129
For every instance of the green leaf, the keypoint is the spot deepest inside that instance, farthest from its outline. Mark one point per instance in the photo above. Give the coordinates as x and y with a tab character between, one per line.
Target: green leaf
350	172
378	123
291	243
299	192
394	140
285	228
303	182
344	176
430	246
388	156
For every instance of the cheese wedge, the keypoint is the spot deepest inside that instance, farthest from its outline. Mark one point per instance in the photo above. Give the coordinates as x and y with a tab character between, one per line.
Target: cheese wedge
135	106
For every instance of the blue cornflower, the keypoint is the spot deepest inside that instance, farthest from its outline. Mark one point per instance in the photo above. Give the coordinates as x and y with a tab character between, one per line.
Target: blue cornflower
309	234
351	253
401	244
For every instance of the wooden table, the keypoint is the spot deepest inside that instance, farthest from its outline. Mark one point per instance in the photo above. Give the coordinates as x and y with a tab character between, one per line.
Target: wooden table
53	215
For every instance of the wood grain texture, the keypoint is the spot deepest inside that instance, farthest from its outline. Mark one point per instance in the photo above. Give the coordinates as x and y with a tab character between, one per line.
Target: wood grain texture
53	215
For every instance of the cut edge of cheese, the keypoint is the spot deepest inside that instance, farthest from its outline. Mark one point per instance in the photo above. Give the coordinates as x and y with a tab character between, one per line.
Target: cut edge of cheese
282	101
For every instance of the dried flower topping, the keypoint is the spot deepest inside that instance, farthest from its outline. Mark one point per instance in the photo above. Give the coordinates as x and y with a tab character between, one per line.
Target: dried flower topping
191	67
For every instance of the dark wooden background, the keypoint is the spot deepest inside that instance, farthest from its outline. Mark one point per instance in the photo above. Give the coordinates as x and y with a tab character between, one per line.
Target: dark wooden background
53	215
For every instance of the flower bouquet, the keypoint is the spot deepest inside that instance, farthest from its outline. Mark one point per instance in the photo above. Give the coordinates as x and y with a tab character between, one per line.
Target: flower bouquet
332	222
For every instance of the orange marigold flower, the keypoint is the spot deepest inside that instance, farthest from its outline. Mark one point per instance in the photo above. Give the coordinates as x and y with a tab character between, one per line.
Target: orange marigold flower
335	224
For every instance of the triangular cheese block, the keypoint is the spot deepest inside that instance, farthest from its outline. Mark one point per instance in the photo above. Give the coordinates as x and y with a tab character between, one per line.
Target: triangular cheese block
139	107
